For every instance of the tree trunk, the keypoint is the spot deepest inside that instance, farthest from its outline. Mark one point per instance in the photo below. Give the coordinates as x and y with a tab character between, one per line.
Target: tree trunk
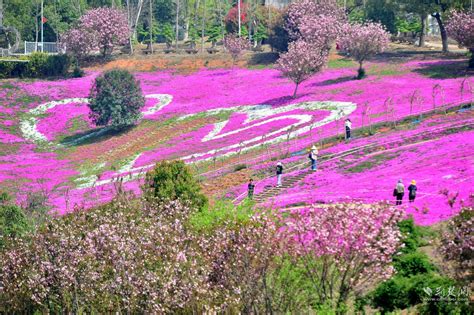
296	90
203	24
442	30
471	60
423	29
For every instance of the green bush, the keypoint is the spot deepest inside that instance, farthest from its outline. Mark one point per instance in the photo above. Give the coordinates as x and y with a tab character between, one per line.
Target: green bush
240	167
13	221
10	69
39	65
57	65
412	264
116	99
411	235
173	180
221	213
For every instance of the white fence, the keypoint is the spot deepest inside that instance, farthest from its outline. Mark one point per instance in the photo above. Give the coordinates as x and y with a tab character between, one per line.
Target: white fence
47	47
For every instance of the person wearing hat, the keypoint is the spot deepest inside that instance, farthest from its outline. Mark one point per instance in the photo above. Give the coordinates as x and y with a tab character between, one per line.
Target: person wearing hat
313	156
399	191
279	173
412	191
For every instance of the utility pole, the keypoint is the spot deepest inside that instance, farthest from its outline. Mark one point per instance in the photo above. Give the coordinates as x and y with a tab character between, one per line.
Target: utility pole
1	13
151	26
238	9
42	26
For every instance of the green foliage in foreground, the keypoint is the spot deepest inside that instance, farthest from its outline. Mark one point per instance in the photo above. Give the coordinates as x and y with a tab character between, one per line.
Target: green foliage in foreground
173	180
417	283
222	212
13	222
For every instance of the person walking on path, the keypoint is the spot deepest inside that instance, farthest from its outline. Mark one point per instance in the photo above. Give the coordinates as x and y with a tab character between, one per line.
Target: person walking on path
313	156
399	191
412	191
279	172
251	188
348	125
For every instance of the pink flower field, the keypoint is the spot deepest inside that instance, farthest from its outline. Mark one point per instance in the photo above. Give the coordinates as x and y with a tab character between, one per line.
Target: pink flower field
48	142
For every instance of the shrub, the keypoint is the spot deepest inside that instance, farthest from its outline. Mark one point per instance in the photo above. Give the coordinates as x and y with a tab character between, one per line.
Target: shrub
116	99
411	235
240	167
39	65
392	295
173	180
13	222
413	264
458	244
222	212
57	65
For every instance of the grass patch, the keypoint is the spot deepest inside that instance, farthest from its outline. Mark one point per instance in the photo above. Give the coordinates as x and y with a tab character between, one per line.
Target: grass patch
8	85
374	161
341	63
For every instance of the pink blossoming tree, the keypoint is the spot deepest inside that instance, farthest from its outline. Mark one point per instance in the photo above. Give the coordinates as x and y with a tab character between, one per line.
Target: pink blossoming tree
314	25
318	22
344	247
301	61
109	24
461	28
457	245
235	45
362	41
79	42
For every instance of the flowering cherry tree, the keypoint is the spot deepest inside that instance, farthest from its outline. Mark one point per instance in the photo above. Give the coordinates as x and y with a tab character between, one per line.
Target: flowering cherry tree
457	244
316	21
301	61
461	27
362	41
109	24
344	246
235	45
79	42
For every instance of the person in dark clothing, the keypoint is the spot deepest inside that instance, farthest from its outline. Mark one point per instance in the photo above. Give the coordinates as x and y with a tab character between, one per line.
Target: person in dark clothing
279	173
251	188
412	191
399	192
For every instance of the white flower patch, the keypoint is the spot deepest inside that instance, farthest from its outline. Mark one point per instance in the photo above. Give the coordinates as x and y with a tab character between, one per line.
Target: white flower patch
163	100
337	111
28	125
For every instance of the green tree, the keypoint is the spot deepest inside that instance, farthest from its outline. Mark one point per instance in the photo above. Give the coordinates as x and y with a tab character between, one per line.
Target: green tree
116	99
173	180
13	222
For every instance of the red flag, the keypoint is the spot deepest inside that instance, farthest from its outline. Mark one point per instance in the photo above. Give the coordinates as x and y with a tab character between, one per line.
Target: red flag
44	20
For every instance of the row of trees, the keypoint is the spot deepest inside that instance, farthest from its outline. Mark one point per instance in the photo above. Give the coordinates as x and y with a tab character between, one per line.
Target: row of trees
191	20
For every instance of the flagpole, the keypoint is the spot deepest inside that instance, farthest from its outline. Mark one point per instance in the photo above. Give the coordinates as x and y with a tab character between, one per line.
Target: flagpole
42	27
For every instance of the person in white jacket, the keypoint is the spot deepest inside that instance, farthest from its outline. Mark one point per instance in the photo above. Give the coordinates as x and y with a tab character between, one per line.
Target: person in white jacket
348	125
313	156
